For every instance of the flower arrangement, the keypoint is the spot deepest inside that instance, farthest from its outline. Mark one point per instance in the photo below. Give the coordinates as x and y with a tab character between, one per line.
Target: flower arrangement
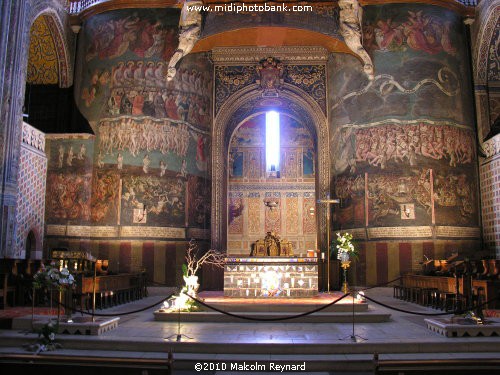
345	247
53	277
194	262
46	338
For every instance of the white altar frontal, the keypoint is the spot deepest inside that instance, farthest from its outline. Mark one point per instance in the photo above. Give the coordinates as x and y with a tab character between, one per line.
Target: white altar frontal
270	277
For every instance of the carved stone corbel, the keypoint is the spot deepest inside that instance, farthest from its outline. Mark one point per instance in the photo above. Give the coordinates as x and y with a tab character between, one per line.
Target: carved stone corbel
351	15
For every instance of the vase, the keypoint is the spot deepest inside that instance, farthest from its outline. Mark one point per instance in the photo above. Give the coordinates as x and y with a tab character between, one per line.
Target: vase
345	263
192	285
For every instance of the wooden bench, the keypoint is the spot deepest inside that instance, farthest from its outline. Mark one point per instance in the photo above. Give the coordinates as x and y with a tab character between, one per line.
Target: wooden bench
455	366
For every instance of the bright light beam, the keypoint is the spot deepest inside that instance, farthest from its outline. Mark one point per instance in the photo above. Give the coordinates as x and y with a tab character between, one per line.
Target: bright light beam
272	141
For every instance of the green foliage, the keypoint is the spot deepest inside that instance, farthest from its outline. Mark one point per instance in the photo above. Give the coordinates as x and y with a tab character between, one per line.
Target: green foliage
53	277
345	246
184	270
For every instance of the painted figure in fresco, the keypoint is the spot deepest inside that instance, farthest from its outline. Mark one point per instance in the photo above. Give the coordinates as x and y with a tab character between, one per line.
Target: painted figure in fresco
183	171
139	74
100	159
163	168
118	74
190	29
119	161
146	161
61	156
70	157
388	35
350	28
82	152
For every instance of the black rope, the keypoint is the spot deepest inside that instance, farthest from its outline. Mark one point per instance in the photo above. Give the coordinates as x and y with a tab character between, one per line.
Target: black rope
267	319
381	285
116	314
425	314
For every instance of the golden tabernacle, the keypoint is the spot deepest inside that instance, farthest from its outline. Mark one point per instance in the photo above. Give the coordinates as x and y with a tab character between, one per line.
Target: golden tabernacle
272	246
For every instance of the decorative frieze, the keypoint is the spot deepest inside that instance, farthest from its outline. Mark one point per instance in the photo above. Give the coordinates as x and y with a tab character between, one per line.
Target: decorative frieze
33	137
252	55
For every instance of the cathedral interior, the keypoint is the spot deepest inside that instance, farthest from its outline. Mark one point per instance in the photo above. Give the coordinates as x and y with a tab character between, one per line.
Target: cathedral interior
127	130
130	129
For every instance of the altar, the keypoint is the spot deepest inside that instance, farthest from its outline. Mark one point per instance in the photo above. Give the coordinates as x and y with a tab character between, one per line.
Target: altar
271	277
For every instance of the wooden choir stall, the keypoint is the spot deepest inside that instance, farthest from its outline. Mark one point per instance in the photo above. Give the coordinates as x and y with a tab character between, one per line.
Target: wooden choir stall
110	289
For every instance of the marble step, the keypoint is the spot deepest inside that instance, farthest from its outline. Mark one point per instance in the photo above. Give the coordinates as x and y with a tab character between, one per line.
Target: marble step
270	317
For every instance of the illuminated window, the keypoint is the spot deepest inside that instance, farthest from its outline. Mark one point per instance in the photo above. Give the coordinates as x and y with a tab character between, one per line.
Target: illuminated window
272	141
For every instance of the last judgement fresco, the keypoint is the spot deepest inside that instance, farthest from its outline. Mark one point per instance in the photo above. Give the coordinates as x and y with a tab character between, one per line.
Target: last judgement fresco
404	144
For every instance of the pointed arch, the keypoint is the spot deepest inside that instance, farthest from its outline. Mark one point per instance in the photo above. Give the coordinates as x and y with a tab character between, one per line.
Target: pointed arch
62	46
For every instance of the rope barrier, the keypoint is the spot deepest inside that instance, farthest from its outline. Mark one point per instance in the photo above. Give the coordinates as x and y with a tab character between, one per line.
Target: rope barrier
116	314
381	285
426	314
268	319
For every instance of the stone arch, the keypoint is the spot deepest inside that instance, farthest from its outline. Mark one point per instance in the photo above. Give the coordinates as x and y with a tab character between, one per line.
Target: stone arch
489	12
31	244
488	15
58	32
233	112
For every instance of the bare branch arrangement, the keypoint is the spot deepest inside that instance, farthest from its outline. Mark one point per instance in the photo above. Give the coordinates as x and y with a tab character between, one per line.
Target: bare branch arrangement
194	263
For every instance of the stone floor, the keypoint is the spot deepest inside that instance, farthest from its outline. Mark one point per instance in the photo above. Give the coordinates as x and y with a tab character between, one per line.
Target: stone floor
324	347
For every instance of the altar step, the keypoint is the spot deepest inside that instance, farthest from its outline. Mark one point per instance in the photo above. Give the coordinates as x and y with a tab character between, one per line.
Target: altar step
262	317
345	355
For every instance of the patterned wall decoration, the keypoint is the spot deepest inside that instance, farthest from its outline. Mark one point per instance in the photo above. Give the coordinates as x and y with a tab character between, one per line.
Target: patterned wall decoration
230	79
43	66
311	79
309	212
292	213
30	199
323	19
254	211
235	215
273	220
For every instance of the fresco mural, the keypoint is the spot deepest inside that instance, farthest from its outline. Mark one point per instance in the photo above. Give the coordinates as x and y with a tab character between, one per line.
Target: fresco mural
199	190
69	180
419	56
105	197
403	144
153	200
68	197
126	53
168	145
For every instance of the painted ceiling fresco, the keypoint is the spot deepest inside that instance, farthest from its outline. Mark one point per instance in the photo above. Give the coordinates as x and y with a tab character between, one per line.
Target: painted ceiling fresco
419	57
